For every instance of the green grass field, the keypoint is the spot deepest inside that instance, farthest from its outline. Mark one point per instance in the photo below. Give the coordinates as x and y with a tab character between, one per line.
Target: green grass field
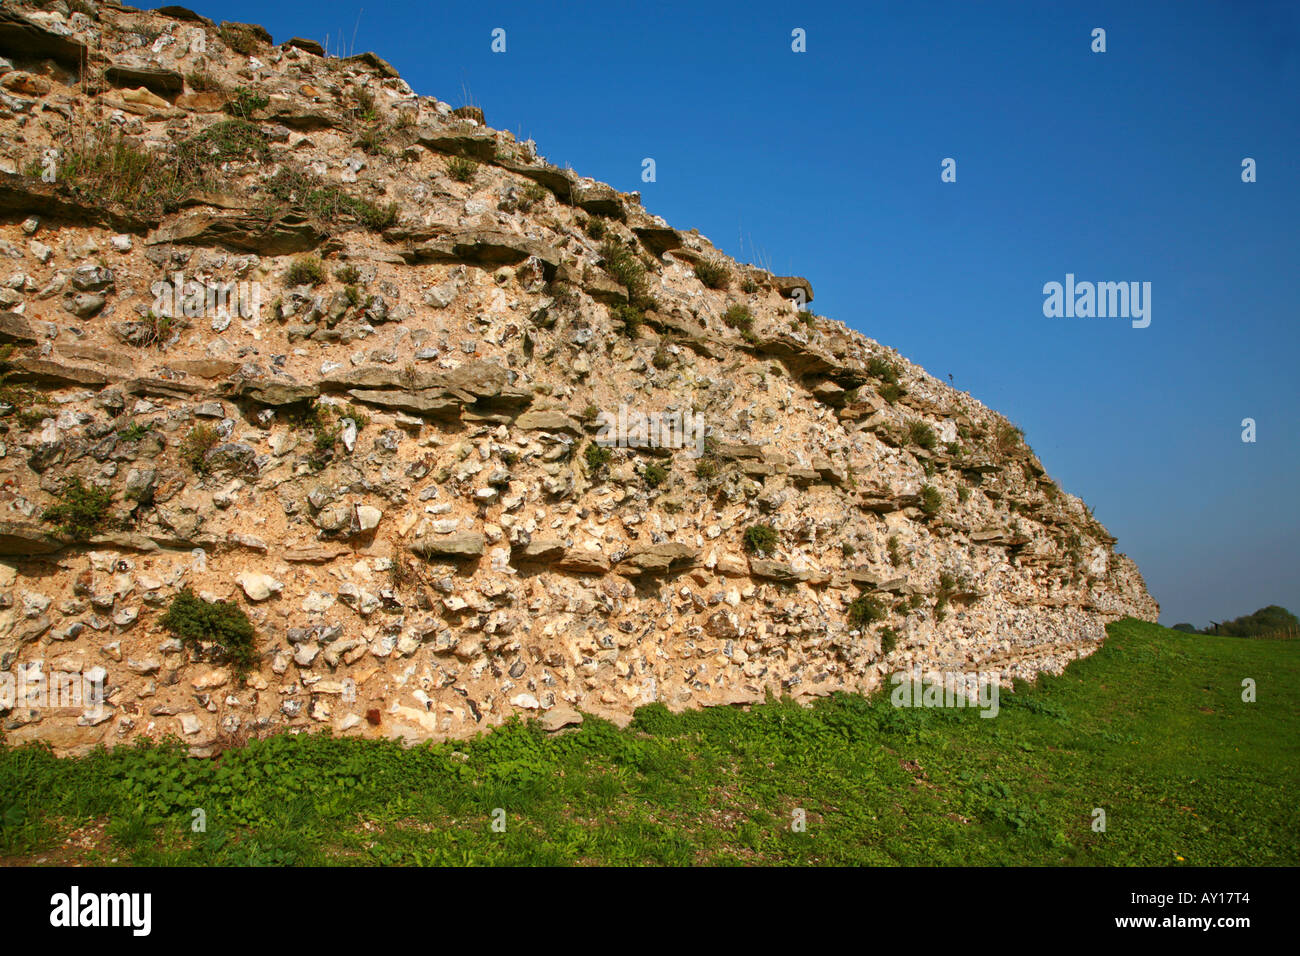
1152	729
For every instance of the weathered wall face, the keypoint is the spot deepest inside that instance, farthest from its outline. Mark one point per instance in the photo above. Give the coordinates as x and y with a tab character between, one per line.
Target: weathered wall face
388	470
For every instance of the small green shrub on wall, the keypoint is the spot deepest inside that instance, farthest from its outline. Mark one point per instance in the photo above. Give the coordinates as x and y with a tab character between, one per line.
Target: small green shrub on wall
598	457
865	611
761	539
225	626
82	510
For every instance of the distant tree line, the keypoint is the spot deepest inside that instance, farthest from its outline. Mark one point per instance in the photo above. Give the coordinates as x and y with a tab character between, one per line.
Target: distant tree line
1267	620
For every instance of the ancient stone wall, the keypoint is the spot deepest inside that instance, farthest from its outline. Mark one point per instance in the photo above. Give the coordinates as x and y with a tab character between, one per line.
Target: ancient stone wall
351	360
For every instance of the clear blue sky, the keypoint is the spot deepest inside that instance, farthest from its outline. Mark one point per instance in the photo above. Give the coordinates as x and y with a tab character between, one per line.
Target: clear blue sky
1117	166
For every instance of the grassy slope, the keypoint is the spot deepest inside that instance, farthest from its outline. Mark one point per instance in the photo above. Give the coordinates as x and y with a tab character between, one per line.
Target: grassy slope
1152	728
